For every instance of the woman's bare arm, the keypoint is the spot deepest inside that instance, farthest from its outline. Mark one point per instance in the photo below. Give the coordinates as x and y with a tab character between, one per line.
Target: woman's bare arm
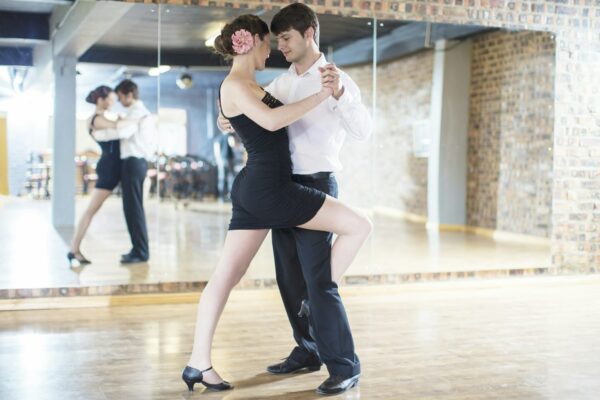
105	129
272	119
101	122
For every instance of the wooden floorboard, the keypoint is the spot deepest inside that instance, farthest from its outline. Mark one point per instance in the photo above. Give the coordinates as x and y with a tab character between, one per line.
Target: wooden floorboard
185	246
530	338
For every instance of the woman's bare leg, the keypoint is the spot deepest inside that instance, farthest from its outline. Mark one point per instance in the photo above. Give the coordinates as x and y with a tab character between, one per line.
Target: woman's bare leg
97	198
352	228
239	249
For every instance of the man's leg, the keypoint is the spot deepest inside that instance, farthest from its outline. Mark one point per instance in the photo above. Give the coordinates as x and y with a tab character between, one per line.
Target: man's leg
132	182
293	290
327	313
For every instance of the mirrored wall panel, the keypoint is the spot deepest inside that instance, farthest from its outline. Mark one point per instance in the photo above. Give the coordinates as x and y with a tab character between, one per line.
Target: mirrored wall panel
115	176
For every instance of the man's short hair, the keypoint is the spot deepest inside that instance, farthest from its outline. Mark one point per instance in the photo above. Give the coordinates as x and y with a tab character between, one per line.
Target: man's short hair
296	16
127	86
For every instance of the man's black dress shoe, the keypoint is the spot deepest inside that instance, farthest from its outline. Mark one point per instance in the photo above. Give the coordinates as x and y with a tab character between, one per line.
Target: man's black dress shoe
132	259
338	384
296	361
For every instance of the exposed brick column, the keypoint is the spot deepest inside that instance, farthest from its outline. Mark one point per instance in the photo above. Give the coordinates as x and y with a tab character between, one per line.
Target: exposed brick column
576	196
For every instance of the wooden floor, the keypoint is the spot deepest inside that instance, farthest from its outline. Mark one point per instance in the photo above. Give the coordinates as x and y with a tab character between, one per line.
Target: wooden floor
186	243
527	338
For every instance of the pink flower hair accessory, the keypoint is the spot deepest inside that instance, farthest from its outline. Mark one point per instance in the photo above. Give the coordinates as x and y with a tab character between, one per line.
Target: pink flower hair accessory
243	41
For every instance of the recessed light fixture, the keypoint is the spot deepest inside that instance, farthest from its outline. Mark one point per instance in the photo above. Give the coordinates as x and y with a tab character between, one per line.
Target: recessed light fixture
159	70
185	81
210	42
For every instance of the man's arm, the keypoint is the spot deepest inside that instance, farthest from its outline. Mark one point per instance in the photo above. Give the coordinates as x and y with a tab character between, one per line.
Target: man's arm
105	130
354	116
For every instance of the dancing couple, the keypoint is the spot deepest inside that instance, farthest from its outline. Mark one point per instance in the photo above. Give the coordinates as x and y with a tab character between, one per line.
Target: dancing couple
125	145
293	132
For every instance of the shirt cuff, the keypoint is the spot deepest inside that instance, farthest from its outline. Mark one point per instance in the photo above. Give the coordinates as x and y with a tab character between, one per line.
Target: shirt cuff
344	101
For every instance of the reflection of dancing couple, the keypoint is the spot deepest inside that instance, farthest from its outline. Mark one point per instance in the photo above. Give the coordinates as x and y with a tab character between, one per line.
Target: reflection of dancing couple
296	202
125	144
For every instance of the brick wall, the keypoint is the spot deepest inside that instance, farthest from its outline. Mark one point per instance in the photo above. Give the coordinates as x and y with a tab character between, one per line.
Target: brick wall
510	135
576	194
511	132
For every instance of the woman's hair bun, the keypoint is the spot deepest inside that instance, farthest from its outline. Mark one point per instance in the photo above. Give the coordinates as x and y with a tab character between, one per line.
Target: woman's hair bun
101	92
253	24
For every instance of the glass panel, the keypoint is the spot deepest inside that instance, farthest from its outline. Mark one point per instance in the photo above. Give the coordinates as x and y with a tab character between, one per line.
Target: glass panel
26	148
418	81
125	49
200	162
463	112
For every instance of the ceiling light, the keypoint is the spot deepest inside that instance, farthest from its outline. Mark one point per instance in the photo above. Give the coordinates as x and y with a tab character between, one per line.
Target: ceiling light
210	42
160	70
185	81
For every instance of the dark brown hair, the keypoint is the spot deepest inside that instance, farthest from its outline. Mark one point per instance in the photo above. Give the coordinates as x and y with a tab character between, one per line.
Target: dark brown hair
296	16
101	92
127	86
249	22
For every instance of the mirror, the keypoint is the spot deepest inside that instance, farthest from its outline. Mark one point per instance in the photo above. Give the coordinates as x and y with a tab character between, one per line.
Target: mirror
456	175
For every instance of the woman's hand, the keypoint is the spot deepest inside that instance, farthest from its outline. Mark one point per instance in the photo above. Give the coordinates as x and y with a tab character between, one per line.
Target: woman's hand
330	77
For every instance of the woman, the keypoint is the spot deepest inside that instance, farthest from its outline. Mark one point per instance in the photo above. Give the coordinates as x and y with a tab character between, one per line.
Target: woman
263	194
108	170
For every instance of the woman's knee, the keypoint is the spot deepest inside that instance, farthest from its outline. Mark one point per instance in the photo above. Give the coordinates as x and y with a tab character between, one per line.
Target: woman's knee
230	274
364	226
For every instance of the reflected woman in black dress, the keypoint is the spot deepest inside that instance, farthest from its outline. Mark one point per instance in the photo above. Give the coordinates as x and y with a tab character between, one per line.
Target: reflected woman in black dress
108	170
263	194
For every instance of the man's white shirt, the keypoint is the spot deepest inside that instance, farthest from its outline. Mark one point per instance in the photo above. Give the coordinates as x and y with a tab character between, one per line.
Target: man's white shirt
317	138
136	140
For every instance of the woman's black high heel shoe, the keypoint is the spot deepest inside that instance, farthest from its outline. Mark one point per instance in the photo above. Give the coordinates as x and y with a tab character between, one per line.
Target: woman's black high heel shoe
80	261
191	376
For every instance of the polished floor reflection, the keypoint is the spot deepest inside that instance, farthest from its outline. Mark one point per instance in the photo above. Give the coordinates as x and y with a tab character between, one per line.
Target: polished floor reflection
186	243
527	338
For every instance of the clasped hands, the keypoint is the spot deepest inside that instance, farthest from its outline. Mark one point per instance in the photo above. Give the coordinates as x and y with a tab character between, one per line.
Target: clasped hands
330	78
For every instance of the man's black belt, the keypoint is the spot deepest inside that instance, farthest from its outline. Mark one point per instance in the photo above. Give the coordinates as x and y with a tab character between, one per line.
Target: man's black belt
313	177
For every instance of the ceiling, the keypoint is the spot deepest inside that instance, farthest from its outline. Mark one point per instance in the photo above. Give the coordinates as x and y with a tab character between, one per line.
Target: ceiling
187	27
32	6
125	38
184	30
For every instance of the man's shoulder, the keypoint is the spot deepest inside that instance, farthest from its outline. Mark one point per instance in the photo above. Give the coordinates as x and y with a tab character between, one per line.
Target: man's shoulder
139	108
281	78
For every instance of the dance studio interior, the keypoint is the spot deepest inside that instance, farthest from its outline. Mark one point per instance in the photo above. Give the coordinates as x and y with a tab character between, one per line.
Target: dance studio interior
481	177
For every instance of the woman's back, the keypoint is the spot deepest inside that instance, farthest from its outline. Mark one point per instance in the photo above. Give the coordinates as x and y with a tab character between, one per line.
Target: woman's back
268	151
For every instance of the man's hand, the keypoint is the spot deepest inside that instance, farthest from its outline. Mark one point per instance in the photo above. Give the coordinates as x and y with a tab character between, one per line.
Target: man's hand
224	124
330	77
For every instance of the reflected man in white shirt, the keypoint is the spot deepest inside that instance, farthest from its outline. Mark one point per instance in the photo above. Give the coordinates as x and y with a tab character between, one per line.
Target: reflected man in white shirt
136	132
302	257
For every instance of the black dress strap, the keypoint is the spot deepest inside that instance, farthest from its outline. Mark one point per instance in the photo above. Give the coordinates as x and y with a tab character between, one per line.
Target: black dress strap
220	104
267	99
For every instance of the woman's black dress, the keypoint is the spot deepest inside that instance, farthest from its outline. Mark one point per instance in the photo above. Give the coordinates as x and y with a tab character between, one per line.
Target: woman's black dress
108	167
263	193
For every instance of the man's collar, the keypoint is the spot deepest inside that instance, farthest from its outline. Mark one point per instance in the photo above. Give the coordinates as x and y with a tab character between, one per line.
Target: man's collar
136	103
313	70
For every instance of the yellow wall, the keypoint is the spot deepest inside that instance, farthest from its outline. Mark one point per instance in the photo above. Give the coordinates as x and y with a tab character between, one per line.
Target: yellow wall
3	156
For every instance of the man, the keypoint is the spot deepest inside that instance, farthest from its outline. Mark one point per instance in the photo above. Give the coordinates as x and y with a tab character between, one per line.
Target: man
135	143
302	257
